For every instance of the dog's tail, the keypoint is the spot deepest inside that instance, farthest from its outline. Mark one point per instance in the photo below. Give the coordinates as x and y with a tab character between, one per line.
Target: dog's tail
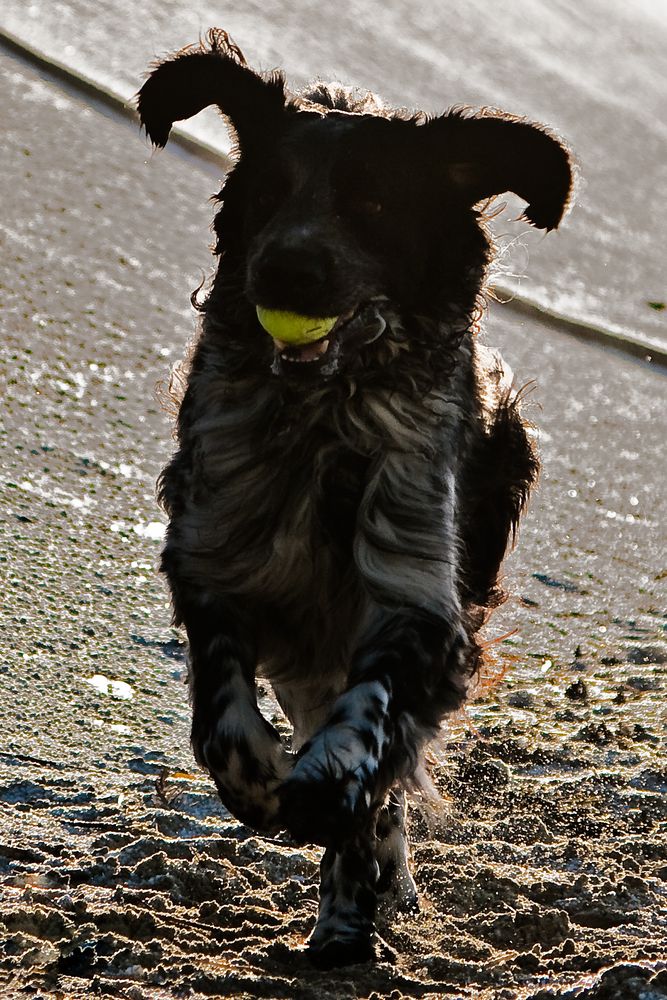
212	72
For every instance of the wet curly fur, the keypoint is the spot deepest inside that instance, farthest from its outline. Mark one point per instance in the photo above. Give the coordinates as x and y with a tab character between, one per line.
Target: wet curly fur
338	513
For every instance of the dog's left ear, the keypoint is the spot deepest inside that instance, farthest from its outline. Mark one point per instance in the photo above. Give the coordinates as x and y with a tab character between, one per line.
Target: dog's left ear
214	72
487	154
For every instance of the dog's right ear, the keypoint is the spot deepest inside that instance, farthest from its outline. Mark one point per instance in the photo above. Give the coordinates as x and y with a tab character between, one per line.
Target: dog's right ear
214	72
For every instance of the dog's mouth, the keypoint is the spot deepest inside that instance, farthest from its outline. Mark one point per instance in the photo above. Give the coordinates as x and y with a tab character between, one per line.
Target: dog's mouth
357	327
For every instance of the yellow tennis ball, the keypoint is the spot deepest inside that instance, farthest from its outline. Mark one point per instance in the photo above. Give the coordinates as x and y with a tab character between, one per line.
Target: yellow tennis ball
292	328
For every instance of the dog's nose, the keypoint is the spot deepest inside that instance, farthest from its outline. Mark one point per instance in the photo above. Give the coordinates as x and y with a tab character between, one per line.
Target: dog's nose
292	275
297	266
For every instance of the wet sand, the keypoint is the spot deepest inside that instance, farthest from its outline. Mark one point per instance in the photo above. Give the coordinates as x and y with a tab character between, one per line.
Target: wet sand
120	873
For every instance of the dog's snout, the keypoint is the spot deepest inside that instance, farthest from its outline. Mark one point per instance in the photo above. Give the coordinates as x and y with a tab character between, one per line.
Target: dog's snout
292	274
304	265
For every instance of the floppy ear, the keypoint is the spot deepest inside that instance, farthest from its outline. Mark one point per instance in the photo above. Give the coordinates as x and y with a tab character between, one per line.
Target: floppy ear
214	72
487	154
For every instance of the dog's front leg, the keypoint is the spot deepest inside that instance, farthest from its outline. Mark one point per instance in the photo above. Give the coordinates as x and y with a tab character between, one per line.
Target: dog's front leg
231	739
406	675
372	864
343	934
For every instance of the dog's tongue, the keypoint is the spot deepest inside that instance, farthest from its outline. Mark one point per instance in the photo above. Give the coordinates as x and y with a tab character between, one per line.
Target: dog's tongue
314	350
305	352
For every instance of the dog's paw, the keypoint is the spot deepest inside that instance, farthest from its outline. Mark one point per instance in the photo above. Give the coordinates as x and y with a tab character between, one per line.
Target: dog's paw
334	787
331	792
336	952
322	810
248	766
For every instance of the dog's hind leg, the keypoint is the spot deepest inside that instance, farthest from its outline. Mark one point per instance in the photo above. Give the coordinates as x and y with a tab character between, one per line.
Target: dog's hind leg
396	886
230	737
343	934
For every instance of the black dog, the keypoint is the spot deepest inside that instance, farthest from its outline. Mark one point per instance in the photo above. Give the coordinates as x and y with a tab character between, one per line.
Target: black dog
339	510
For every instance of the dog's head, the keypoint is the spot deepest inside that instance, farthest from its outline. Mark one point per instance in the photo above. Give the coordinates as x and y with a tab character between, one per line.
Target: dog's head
339	207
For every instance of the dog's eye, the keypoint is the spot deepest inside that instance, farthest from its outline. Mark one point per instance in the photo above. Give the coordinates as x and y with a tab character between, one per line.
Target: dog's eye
368	208
364	208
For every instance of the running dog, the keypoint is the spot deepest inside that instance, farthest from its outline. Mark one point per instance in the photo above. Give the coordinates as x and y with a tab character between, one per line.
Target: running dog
352	464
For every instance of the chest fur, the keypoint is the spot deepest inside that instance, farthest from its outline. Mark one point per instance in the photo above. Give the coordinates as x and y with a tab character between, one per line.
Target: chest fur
271	518
299	508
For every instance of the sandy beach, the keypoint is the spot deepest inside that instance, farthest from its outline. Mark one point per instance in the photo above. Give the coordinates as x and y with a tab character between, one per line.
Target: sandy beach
121	875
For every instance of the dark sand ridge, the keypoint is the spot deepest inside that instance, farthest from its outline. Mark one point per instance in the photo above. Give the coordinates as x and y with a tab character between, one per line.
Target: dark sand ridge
124	879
